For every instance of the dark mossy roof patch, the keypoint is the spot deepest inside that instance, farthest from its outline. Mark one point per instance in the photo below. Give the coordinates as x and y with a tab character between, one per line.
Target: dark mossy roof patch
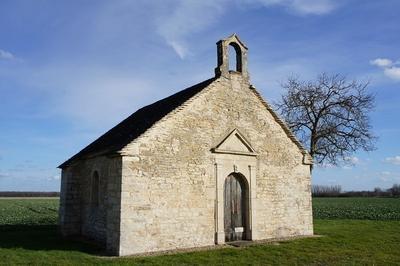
137	123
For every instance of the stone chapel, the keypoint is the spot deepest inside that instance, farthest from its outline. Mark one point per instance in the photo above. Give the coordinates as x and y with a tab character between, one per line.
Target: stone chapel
210	164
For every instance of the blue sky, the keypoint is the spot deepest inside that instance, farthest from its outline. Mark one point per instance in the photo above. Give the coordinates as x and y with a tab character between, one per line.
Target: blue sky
70	70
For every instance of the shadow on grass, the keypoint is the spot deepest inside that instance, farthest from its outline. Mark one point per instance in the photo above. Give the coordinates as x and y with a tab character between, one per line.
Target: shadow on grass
45	238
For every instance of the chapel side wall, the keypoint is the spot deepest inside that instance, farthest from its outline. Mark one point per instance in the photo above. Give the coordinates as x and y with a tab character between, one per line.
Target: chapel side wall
101	222
69	211
167	201
169	186
113	205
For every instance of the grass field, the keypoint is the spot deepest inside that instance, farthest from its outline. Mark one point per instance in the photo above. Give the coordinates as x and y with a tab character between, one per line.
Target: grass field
28	235
29	211
357	208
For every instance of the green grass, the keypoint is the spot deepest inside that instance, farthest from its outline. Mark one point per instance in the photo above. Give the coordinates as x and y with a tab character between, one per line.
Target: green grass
28	211
357	208
344	242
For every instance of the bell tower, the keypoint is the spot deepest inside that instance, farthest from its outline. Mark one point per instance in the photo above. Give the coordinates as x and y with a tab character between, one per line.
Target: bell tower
240	48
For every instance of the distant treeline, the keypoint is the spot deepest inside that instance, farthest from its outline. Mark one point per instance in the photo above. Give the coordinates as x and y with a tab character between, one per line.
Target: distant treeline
28	194
336	191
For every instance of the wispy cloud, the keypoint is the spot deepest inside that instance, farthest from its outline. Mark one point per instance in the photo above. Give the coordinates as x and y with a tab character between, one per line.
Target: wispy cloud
54	177
393	160
5	55
94	97
186	17
392	72
353	160
381	62
390	69
4	175
389	177
303	7
325	166
350	162
385	176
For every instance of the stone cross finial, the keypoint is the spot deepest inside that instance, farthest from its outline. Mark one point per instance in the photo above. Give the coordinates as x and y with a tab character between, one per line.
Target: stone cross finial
223	57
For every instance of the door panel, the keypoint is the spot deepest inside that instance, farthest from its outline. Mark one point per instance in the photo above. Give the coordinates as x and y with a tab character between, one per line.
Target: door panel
234	209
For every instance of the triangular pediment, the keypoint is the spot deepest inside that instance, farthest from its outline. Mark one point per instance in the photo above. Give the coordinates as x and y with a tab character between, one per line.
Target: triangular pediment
234	143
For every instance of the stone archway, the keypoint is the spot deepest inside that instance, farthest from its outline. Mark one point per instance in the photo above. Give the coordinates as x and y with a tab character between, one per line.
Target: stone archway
236	208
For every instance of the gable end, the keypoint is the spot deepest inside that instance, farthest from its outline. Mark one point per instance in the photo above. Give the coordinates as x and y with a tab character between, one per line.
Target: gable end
307	159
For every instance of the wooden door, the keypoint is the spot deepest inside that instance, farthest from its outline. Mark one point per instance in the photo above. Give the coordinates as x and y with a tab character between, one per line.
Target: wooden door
235	208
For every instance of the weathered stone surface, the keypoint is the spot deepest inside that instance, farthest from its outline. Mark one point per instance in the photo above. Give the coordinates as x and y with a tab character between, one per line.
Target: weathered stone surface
165	189
77	215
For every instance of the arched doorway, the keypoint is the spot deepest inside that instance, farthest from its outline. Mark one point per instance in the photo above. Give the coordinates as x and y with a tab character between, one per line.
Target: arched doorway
236	208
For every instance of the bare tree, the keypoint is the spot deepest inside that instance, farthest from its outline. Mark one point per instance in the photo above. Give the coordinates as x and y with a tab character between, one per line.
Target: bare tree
395	190
326	191
329	116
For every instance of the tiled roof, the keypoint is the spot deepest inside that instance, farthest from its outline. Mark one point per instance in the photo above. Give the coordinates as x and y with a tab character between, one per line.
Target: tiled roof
137	123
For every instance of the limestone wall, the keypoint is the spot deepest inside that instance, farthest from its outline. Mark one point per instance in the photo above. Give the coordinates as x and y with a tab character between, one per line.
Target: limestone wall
69	211
168	188
78	214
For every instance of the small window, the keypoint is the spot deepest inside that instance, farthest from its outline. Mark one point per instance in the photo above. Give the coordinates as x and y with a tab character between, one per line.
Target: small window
95	189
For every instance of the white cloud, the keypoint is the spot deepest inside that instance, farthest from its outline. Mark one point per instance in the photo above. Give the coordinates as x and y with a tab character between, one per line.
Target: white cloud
389	177
393	160
325	166
347	163
392	72
4	175
390	68
185	17
352	160
94	97
55	177
303	7
179	48
381	62
6	55
312	7
384	178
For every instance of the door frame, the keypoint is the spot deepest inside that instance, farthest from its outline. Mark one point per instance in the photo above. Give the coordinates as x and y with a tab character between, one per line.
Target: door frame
224	165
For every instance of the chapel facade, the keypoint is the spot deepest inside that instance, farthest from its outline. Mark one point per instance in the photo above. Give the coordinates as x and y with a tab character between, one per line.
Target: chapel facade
208	165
